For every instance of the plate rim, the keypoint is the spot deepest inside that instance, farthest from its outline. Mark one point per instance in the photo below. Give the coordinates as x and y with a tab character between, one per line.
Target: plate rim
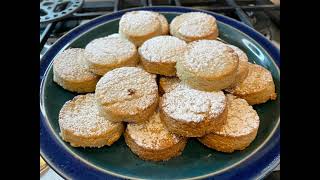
173	10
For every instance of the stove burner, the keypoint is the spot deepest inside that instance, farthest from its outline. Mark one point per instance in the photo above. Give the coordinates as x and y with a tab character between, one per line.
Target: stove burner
60	15
53	10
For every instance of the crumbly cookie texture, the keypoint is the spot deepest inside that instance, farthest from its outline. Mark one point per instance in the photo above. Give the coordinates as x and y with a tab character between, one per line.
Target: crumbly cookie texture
239	129
251	84
258	87
242	119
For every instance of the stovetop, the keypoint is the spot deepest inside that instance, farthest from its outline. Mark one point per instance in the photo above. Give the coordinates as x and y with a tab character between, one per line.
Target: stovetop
262	15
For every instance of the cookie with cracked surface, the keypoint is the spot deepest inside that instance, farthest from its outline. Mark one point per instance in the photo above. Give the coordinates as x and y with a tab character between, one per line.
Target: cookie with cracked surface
257	88
238	132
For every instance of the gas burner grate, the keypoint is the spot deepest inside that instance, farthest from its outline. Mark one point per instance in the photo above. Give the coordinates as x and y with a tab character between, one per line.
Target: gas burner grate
53	10
247	11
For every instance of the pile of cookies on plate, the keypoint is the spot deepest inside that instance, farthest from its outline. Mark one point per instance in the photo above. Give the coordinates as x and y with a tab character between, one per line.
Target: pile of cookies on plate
159	89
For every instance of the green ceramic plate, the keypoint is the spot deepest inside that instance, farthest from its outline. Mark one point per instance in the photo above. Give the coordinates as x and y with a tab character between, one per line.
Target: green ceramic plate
195	161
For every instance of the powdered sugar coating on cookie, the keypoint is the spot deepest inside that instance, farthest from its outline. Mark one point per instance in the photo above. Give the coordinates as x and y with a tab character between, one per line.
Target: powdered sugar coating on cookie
163	22
168	83
197	24
242	119
242	55
152	134
162	48
139	23
186	104
81	117
110	49
128	88
71	65
209	56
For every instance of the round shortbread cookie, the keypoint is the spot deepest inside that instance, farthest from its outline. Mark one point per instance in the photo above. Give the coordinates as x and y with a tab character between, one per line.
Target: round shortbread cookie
257	88
139	26
240	129
208	65
164	23
159	54
72	73
127	94
167	83
107	53
192	113
82	126
152	141
194	26
243	68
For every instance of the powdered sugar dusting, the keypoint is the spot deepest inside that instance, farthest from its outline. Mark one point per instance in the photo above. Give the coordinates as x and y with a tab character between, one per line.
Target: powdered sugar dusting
168	83
110	49
197	24
129	88
152	134
81	117
162	48
209	56
71	65
139	23
187	104
242	119
164	23
242	55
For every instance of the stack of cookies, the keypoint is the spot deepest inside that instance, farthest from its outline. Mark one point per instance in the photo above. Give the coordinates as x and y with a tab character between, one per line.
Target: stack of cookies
159	90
